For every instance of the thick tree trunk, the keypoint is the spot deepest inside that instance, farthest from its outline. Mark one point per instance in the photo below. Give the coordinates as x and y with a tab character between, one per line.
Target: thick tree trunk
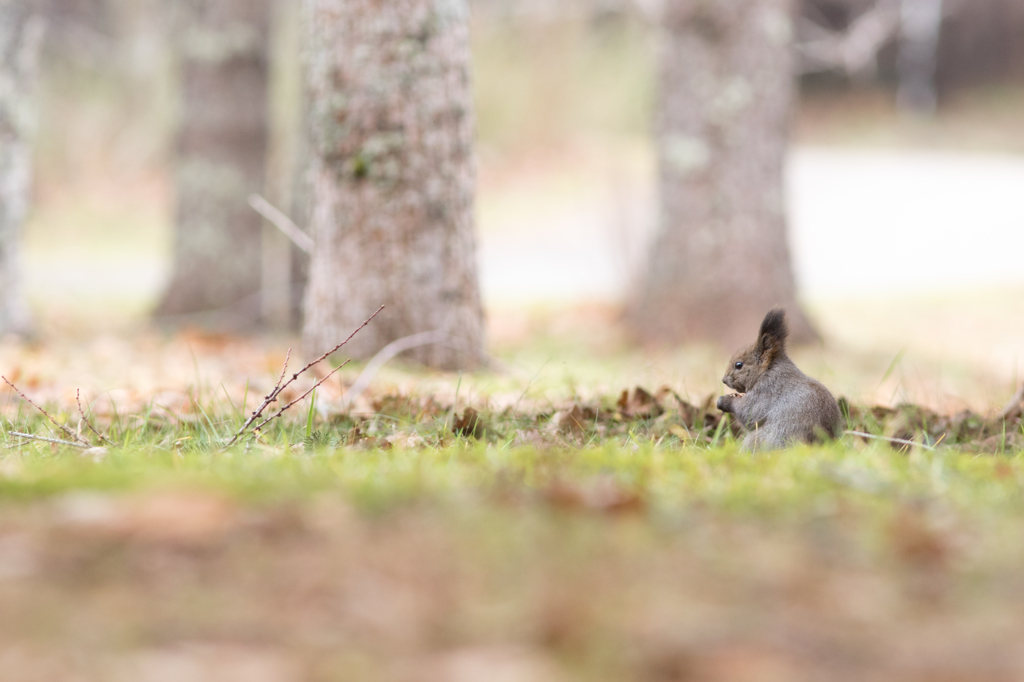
20	35
720	260
222	144
392	177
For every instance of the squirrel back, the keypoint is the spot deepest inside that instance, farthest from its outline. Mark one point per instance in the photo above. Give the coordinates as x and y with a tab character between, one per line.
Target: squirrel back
776	403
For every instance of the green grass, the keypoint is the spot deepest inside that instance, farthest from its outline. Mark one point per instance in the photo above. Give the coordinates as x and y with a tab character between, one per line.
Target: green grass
619	552
663	471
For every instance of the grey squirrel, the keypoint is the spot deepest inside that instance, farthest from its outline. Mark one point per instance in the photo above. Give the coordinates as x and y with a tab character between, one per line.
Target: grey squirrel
779	405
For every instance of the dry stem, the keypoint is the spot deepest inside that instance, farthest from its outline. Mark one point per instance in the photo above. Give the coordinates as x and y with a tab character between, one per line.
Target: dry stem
301	397
78	399
46	414
891	440
49	440
272	396
282	222
1013	408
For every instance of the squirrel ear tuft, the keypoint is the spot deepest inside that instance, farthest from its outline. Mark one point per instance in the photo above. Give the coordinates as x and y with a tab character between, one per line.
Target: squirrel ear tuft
771	340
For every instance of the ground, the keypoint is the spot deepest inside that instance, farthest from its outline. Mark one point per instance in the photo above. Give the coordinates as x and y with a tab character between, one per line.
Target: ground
490	526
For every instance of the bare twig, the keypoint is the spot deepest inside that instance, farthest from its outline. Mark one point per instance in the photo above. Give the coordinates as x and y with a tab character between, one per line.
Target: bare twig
890	440
78	399
335	349
282	222
284	370
49	440
46	414
272	396
1013	408
300	398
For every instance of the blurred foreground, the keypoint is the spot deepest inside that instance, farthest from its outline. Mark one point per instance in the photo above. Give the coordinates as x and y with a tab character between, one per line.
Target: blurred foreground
472	563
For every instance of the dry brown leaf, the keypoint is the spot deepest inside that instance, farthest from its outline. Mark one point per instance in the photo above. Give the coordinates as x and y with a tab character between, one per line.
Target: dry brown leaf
468	424
639	404
575	420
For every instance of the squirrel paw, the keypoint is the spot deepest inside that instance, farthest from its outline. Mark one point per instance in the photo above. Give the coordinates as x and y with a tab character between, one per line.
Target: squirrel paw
725	402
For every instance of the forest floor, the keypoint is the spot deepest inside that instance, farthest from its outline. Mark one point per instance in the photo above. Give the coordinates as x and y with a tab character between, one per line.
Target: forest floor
538	522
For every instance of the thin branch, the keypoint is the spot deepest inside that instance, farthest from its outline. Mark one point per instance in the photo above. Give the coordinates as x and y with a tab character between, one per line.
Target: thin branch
46	414
335	349
284	370
282	222
891	440
78	399
301	397
49	440
272	396
1013	408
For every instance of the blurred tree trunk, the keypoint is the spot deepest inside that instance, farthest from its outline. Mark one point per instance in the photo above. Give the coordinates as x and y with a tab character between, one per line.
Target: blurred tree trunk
222	146
920	30
720	260
392	177
21	29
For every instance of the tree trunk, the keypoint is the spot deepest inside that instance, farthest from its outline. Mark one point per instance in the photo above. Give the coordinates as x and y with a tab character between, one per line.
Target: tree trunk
21	31
720	260
392	177
920	29
222	145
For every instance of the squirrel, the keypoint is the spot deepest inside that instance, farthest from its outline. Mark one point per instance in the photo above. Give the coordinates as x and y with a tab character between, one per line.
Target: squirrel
776	403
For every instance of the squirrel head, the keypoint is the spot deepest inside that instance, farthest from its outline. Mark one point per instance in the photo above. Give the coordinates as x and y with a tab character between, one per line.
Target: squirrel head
750	364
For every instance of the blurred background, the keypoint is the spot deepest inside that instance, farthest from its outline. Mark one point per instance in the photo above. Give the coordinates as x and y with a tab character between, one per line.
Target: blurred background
905	194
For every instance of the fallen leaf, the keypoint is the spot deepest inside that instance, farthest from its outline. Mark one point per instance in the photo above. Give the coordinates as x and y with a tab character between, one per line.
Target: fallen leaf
639	404
468	424
574	420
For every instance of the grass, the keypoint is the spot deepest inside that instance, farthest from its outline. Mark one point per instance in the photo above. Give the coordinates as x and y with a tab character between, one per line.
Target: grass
667	456
667	477
385	545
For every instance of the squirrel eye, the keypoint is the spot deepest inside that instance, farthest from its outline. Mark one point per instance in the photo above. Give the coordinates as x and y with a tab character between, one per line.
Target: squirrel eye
739	365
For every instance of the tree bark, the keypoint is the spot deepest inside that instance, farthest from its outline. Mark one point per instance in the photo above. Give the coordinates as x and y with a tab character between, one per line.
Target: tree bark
222	145
920	30
720	259
21	29
392	177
